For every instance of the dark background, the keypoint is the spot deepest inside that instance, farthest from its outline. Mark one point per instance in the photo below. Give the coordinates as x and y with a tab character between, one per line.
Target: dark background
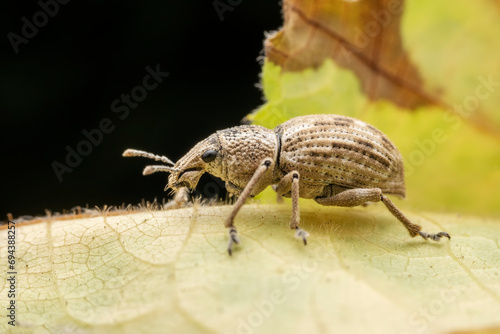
65	78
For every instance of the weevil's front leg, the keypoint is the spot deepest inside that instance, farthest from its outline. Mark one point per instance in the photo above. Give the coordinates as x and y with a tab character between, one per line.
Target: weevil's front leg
257	176
180	199
354	197
290	182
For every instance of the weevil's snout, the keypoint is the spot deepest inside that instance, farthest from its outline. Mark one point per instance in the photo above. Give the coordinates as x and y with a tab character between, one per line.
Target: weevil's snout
188	178
204	157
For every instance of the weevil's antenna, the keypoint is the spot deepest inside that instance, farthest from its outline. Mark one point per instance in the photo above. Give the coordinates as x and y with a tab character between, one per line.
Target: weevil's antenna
144	154
159	168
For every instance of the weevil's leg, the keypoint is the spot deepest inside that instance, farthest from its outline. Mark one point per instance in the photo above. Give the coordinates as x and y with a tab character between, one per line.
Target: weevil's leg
354	197
413	229
279	198
290	182
351	197
256	177
180	199
232	189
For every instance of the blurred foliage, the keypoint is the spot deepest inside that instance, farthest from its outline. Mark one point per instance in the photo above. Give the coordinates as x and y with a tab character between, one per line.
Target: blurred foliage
448	131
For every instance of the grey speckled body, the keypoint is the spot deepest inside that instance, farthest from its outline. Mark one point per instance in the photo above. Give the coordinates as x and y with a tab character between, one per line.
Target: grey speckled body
335	160
339	150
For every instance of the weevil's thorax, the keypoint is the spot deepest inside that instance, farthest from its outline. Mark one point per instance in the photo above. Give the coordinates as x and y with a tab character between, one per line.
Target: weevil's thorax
243	148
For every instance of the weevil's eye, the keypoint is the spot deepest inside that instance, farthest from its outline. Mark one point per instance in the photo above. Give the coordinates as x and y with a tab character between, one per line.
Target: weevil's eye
209	156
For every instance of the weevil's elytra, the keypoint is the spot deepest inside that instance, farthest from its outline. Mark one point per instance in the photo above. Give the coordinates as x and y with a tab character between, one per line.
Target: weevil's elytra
352	155
335	160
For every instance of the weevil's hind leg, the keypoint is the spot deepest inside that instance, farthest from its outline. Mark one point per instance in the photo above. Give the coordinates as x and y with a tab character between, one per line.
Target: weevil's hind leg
354	197
290	182
256	177
413	229
434	236
351	197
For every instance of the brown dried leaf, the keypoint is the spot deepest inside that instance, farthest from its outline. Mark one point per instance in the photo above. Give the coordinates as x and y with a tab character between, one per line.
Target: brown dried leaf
365	37
358	35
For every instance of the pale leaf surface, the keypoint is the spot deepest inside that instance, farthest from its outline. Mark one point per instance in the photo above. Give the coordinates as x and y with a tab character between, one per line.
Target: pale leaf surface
169	272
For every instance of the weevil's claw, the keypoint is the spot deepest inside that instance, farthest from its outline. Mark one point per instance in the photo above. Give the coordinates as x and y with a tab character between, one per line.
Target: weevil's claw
435	237
233	239
301	234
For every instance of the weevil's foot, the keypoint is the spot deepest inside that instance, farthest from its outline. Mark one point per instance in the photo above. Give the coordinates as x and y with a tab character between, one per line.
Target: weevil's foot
301	234
435	237
233	239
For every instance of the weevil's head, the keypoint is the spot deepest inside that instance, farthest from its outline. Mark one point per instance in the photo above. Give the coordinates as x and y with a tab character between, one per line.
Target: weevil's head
202	158
188	170
232	154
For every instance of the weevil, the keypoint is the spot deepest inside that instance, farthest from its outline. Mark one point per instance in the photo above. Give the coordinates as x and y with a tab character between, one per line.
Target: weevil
335	160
